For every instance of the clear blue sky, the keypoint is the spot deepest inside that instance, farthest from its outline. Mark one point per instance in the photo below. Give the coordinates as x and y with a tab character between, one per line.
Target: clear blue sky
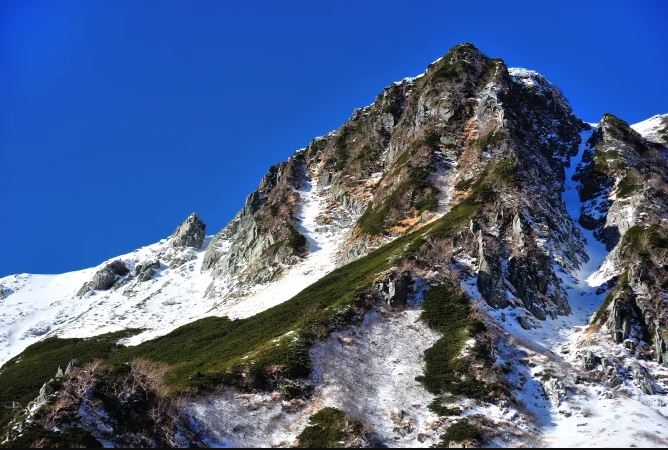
119	118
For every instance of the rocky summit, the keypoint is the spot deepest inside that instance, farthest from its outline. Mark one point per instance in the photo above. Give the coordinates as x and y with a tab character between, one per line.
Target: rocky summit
465	262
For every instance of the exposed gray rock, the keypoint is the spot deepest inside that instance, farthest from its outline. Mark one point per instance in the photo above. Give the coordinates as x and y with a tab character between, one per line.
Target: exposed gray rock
490	272
467	443
5	292
146	270
190	233
555	391
661	345
105	278
45	392
396	288
525	322
531	278
590	360
642	378
71	365
610	372
59	372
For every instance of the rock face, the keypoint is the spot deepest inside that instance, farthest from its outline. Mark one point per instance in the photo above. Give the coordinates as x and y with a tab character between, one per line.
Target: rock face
146	270
629	216
4	292
396	289
105	278
190	233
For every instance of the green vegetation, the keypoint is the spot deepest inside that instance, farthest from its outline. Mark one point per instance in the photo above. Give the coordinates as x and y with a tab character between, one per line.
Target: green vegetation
505	170
463	185
627	186
433	140
317	146
213	350
452	65
416	190
455	220
460	431
341	154
22	377
638	242
447	310
368	154
492	139
644	242
608	161
329	428
437	407
297	241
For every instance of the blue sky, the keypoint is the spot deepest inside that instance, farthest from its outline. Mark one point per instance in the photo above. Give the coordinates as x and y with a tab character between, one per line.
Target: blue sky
117	119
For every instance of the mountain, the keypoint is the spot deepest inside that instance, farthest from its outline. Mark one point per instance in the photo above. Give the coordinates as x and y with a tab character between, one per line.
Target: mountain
463	262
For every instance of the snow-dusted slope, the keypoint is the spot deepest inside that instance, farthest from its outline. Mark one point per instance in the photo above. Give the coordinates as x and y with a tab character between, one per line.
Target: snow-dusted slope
47	305
654	129
40	306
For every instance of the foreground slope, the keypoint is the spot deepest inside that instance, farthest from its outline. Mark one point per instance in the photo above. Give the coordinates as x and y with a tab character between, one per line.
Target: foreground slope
500	281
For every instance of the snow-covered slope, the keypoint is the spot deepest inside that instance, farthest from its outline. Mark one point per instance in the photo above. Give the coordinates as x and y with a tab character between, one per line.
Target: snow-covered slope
40	306
47	305
654	129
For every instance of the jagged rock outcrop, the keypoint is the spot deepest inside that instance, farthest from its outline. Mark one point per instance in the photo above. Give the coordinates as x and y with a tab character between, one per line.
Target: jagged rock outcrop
396	288
146	270
190	233
105	278
4	292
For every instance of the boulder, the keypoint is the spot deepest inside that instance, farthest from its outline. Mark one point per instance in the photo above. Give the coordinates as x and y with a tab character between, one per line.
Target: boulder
190	233
396	289
71	365
642	378
490	273
105	278
44	393
4	292
590	360
661	345
555	391
146	270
